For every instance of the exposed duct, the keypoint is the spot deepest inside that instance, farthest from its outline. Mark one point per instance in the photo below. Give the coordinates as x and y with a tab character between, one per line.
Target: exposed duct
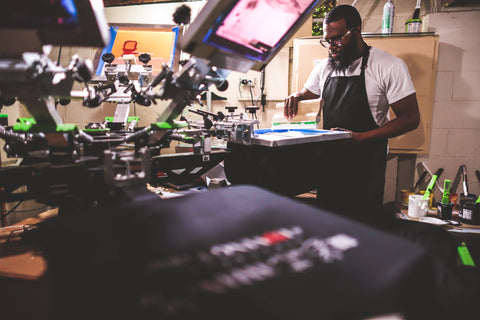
450	5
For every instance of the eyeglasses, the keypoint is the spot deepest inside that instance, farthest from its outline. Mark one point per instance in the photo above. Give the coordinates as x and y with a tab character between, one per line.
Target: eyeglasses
337	41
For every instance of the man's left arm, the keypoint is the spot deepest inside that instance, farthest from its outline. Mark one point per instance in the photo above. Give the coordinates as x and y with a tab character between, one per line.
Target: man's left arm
407	119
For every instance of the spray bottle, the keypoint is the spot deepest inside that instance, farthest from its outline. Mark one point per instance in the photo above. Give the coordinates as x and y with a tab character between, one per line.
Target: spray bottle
388	14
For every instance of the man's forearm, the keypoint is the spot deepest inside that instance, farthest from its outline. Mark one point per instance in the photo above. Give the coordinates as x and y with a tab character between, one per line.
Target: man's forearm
408	119
393	128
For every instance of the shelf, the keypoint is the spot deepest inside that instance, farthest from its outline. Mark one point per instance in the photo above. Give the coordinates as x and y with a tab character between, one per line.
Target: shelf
400	34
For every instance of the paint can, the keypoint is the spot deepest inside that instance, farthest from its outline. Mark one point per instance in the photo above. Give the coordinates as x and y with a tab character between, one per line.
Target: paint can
417	206
469	212
444	210
413	25
404	194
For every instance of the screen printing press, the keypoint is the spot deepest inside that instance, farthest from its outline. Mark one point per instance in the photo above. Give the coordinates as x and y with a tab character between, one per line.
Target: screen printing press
285	160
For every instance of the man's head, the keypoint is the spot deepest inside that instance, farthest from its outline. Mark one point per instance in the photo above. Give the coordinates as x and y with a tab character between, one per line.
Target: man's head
342	35
347	13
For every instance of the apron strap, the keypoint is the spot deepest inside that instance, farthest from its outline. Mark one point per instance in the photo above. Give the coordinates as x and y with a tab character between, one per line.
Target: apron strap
366	54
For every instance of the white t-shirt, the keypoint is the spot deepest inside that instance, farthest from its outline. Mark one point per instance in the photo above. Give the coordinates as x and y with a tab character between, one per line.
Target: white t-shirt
387	80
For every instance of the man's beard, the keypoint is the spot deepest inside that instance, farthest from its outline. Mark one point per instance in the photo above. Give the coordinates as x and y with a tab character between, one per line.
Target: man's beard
345	58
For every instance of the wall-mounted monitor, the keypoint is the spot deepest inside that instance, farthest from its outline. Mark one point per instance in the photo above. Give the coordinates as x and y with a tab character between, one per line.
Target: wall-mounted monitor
27	25
244	34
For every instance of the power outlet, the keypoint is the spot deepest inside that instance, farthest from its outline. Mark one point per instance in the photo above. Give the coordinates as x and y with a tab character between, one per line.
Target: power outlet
247	82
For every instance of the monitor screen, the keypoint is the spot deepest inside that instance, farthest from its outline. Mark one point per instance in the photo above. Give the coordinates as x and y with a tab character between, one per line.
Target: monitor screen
255	28
252	30
27	25
39	14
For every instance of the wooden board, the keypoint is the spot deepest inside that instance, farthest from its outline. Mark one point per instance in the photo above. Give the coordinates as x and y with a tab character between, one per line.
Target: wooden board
420	53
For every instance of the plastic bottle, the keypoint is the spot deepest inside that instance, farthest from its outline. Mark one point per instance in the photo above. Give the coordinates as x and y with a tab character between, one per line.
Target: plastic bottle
388	14
416	13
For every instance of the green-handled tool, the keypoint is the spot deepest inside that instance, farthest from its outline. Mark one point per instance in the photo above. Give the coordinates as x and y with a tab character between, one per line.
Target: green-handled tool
446	191
431	185
464	254
478	200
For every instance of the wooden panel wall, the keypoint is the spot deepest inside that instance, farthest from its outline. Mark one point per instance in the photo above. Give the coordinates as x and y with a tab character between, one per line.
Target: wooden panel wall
420	53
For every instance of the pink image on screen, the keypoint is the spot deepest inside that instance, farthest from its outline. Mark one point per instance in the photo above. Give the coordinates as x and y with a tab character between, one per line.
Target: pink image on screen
261	24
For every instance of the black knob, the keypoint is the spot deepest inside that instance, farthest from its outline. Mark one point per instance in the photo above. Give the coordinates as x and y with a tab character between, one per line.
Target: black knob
222	86
123	79
182	15
252	109
7	101
207	123
144	58
93	102
231	108
108	58
141	100
220	115
84	71
64	102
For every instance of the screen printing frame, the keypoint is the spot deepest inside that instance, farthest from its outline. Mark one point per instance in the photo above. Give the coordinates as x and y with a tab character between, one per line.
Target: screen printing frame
202	40
174	54
288	137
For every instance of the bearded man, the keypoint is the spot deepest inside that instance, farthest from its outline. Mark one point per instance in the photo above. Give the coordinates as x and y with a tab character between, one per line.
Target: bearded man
357	85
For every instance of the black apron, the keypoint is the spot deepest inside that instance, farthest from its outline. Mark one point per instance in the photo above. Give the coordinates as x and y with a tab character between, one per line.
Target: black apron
352	176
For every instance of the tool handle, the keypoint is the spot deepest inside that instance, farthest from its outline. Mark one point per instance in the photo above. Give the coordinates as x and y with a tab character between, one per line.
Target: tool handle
429	190
438	172
416	188
465	180
464	255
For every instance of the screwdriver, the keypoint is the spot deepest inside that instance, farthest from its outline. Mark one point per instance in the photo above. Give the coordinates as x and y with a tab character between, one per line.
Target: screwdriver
431	185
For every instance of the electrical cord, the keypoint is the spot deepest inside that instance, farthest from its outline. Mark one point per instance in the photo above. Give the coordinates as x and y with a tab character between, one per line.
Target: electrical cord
240	95
59	55
262	96
5	213
19	232
254	102
251	94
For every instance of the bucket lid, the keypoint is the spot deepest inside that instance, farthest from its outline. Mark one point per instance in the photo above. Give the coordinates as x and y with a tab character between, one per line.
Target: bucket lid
413	20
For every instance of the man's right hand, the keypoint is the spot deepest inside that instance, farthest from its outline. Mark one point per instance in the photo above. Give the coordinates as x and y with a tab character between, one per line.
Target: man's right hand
291	102
291	105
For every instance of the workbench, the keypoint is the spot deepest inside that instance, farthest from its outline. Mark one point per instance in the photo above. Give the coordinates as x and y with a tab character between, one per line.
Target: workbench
25	291
464	232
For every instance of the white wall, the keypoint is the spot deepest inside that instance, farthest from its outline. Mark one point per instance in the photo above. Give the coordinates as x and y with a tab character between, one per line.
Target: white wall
158	13
456	114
